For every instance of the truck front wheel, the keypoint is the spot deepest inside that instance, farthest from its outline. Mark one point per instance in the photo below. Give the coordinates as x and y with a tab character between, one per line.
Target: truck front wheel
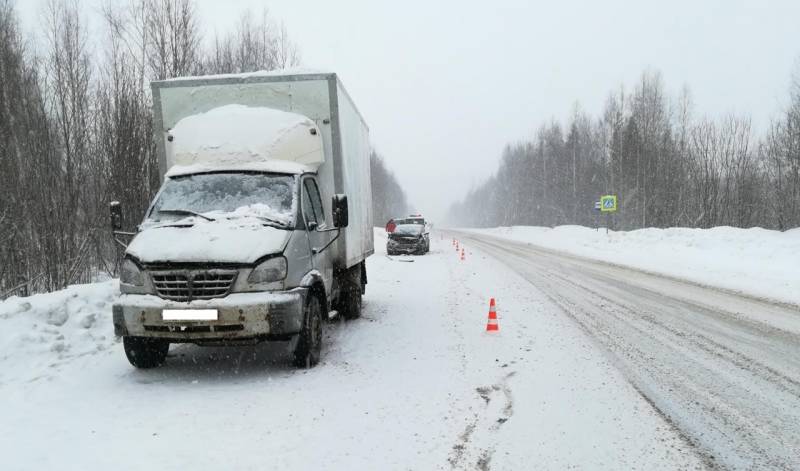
145	352
309	345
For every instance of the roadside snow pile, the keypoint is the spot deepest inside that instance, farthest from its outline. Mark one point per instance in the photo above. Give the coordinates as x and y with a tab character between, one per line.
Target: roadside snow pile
40	332
755	261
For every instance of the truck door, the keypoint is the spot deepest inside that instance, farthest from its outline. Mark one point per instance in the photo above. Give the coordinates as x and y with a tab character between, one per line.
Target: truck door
314	215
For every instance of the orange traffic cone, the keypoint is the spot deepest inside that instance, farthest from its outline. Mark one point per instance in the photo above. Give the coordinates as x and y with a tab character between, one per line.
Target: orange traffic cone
491	324
462	254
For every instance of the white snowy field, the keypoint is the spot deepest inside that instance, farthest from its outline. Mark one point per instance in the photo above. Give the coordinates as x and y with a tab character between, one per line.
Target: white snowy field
757	262
416	383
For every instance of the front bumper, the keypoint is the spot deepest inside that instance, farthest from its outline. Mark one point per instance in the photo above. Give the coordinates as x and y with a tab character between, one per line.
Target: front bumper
408	248
240	317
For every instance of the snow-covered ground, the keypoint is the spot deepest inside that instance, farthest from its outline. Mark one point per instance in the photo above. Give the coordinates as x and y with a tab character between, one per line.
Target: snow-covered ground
758	262
416	383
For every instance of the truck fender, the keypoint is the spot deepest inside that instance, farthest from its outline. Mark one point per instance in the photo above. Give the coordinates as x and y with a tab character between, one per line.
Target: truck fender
315	283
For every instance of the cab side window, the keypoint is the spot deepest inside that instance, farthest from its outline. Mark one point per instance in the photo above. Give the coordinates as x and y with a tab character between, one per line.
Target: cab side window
312	203
308	211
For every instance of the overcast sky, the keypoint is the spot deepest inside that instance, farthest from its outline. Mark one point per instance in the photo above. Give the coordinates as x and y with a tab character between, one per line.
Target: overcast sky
444	85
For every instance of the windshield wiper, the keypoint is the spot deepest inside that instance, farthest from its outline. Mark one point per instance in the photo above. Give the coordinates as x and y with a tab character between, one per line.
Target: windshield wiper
267	219
185	212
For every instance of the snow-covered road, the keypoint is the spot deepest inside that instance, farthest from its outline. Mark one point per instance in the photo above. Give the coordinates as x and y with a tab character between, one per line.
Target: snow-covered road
724	369
416	383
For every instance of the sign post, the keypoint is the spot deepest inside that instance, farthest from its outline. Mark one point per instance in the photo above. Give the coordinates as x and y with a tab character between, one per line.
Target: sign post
597	218
608	205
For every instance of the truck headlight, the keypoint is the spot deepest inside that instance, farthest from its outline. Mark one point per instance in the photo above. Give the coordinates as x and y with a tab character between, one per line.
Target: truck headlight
273	269
130	274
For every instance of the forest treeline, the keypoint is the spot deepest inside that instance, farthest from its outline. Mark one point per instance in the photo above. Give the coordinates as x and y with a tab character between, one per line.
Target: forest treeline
76	125
667	167
388	197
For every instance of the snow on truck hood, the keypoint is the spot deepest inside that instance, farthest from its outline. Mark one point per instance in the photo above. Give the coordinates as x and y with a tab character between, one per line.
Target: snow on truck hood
241	240
240	137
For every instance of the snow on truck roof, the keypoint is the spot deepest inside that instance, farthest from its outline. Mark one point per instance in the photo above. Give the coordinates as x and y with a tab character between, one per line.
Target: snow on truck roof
238	137
245	75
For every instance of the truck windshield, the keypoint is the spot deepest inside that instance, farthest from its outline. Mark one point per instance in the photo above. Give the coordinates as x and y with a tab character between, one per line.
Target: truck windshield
214	196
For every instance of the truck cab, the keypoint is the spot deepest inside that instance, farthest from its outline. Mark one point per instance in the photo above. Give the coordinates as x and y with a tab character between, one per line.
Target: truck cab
247	239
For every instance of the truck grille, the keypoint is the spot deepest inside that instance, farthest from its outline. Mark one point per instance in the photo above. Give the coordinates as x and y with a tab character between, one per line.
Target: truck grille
187	285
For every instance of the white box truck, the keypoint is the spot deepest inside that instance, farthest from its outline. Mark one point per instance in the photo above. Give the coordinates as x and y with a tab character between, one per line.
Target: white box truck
263	223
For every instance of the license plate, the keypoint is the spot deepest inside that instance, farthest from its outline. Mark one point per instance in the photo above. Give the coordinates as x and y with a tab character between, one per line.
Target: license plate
189	314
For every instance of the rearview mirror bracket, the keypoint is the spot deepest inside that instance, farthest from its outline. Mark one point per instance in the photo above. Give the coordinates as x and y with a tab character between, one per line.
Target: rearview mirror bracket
115	210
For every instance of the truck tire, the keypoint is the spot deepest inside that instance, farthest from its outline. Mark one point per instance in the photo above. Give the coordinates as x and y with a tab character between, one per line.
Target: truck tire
350	303
145	352
309	344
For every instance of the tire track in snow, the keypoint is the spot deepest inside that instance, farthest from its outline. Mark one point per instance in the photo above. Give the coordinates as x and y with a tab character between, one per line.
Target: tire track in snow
493	404
475	445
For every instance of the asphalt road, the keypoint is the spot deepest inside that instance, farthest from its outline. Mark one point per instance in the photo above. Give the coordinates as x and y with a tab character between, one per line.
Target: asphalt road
722	368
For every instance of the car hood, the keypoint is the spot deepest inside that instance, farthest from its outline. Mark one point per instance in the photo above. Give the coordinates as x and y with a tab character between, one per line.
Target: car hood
222	241
406	237
399	232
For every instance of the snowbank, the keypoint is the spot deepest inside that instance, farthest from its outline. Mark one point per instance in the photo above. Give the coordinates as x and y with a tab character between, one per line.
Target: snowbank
40	332
756	261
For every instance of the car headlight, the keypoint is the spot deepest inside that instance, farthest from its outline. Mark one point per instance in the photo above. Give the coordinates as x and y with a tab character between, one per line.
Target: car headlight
273	269
130	274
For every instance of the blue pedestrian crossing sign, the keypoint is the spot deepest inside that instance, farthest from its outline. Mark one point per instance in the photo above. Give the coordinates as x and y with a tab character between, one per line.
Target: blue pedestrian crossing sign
608	203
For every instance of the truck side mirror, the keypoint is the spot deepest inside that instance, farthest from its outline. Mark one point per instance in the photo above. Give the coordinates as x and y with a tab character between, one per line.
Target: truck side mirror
340	215
116	215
